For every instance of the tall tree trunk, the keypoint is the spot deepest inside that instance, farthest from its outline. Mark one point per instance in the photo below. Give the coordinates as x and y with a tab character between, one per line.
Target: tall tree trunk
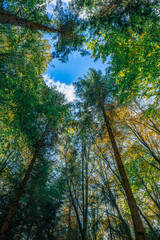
69	221
114	204
75	209
93	220
83	190
13	19
137	222
14	206
86	194
76	229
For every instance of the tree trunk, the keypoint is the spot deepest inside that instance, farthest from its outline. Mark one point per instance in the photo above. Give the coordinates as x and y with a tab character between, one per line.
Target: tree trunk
115	205
14	206
86	195
137	222
75	209
76	229
83	194
69	221
12	19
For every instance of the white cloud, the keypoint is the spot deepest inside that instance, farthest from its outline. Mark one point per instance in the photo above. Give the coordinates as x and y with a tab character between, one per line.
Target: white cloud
68	90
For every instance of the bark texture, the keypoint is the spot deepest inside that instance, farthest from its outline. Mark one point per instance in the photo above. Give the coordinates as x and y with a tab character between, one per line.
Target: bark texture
137	222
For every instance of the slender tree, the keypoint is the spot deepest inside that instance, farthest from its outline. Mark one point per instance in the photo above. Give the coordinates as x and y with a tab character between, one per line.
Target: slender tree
93	90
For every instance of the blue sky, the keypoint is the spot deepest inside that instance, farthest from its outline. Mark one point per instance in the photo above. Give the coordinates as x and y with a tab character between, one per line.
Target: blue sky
76	67
62	75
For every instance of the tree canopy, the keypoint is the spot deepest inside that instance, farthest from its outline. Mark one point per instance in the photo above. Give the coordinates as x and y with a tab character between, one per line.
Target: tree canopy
88	169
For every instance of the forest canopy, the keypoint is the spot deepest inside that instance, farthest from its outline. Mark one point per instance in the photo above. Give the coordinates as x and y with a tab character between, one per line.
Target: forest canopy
87	169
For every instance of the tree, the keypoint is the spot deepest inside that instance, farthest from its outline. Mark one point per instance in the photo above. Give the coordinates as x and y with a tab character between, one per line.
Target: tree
28	107
93	90
88	174
76	173
12	19
125	31
64	24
